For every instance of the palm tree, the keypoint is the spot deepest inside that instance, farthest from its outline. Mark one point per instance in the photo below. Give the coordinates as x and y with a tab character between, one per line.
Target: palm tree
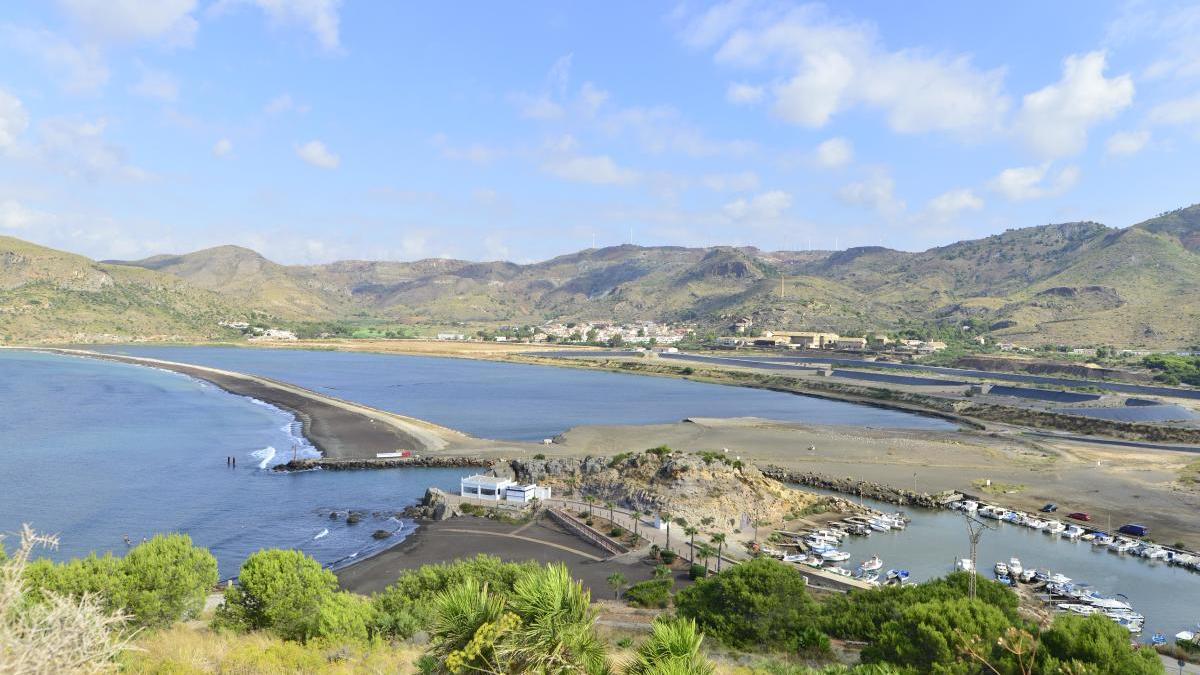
458	613
691	532
662	572
705	552
610	506
666	517
673	647
617	581
719	540
590	501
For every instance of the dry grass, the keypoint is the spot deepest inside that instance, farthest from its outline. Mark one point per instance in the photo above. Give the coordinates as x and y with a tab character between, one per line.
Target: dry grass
185	650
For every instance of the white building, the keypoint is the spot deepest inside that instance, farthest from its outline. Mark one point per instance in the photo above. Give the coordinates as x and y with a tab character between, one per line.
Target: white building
526	493
492	488
451	336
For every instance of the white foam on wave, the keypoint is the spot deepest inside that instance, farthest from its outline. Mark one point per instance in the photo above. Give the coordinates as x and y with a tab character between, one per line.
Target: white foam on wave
266	455
322	533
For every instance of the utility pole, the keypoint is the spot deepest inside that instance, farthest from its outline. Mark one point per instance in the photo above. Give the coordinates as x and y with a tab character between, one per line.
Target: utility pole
975	528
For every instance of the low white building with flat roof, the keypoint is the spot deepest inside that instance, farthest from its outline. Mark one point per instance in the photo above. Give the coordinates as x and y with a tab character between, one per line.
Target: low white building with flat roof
525	493
485	487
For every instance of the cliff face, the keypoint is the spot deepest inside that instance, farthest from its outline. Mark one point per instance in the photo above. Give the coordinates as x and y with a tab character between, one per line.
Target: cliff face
692	486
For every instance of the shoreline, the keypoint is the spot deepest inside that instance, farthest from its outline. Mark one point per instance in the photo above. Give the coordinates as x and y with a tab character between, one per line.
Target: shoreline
340	430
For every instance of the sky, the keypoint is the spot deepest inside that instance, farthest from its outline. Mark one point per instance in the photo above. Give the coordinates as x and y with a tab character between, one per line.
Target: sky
319	130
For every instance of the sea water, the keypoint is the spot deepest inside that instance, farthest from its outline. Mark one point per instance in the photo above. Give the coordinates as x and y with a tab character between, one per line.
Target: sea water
96	451
511	401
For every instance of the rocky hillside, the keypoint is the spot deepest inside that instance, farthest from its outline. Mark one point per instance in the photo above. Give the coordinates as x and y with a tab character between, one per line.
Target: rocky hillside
1074	283
54	296
691	486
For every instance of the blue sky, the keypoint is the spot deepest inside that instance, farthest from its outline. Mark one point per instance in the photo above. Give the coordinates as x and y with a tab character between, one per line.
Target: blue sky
316	130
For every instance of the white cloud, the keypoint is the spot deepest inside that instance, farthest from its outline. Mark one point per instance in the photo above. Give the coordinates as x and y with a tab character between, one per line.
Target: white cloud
16	216
591	98
1034	182
877	191
763	207
78	68
284	103
156	84
13	119
476	153
538	107
731	182
1182	111
949	205
78	148
742	94
1126	143
222	148
319	17
828	65
168	21
316	154
599	170
834	153
662	129
1055	120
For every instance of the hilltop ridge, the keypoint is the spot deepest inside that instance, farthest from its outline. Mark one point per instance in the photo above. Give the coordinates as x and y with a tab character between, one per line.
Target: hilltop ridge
1072	283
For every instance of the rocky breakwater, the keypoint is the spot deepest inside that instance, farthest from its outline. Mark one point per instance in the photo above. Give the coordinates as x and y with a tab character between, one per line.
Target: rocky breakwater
693	486
852	486
436	461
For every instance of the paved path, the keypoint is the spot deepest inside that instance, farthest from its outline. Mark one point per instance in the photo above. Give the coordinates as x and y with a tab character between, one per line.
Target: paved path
514	535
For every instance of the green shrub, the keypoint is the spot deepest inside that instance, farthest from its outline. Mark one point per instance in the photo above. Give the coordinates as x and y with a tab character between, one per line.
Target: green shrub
1096	641
931	637
655	593
345	616
166	579
759	602
404	607
667	556
280	591
697	571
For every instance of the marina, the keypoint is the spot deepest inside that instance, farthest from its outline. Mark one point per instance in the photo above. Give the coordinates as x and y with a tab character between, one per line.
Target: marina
935	542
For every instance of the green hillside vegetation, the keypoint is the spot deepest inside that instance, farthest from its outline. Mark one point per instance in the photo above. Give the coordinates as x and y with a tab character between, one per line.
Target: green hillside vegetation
1075	283
286	614
54	296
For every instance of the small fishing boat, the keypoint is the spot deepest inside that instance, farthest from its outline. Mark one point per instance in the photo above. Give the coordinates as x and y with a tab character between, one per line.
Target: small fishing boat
835	556
1001	569
872	564
1014	567
871	578
897	576
1087	537
1054	527
1072	532
1102	539
1185	636
1078	608
968	506
1028	576
1122	545
795	557
879	525
964	565
1155	552
989	512
1158	639
1059	578
840	571
1034	523
1010	517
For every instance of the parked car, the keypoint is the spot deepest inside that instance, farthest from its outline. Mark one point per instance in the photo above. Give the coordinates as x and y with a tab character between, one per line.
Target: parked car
1134	530
1050	508
1079	515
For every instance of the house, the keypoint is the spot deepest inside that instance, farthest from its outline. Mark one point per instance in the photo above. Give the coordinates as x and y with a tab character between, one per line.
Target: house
880	339
980	340
851	343
806	339
274	334
451	336
492	488
742	324
526	493
769	341
730	342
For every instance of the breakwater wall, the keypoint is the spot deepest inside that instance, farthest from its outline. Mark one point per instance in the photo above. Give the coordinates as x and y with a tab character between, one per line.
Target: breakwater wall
851	486
436	461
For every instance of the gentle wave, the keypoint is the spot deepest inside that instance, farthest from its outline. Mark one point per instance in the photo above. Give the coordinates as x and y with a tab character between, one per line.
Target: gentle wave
266	455
322	533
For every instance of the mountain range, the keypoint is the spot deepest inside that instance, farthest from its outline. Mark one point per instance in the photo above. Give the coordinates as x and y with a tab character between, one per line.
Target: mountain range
1073	283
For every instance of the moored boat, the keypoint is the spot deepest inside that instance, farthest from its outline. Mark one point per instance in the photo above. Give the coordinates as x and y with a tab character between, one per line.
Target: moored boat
872	564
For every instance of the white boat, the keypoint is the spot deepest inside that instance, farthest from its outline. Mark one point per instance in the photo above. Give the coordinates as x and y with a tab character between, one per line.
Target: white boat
1014	567
1035	523
872	564
1106	603
1027	576
989	512
1072	532
894	521
1155	552
1185	636
968	506
897	576
835	556
1054	527
1076	608
1086	537
794	557
871	578
964	565
879	525
1122	545
1001	569
1059	578
840	571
